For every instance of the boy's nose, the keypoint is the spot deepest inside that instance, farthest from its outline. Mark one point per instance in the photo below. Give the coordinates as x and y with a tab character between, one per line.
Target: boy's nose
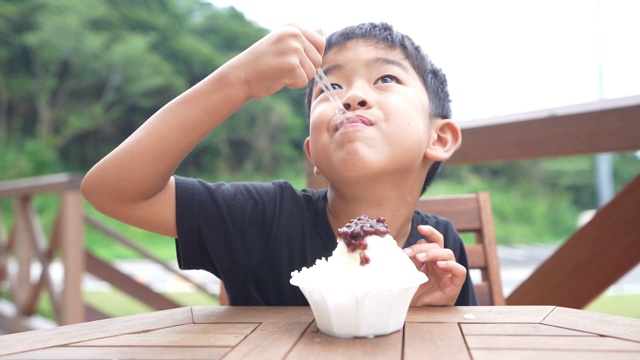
359	104
355	99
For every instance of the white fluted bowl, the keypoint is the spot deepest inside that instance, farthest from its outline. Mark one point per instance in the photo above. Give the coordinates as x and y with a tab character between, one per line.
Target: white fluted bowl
347	312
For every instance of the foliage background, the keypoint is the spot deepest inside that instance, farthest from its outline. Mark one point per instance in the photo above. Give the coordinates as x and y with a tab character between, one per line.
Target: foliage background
78	77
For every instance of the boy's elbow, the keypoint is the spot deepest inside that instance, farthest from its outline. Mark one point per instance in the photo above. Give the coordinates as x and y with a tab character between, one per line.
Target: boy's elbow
86	188
90	190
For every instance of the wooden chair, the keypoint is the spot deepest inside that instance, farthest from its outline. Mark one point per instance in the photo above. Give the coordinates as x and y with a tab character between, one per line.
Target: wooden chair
224	300
471	213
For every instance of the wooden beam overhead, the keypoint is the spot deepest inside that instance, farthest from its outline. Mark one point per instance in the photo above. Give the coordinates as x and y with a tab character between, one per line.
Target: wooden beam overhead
602	126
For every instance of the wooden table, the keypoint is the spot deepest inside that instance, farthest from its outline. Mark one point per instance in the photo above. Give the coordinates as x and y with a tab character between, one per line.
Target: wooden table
498	332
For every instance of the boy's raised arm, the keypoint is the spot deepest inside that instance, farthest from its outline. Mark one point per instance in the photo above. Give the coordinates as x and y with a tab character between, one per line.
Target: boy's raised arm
134	183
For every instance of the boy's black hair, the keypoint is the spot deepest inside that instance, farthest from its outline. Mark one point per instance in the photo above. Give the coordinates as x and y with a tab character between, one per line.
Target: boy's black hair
433	79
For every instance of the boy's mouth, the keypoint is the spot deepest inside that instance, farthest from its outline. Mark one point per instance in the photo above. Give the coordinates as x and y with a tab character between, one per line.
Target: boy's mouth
350	119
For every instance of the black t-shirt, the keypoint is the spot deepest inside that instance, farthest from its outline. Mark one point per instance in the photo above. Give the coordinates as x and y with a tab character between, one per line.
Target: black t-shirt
253	235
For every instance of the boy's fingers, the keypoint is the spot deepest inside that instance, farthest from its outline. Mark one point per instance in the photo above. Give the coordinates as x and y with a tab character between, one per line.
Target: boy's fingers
421	254
432	234
457	271
439	254
314	38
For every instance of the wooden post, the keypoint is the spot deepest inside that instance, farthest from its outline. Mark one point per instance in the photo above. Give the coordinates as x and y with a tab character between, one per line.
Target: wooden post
5	250
591	260
23	246
72	248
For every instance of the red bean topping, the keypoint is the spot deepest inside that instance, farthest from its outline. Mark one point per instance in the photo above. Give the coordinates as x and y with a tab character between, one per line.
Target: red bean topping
354	232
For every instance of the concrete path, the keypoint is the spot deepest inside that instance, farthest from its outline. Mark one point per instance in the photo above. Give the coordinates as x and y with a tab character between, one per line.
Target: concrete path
517	262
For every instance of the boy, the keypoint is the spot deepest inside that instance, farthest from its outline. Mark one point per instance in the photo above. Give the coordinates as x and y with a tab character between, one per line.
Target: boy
253	235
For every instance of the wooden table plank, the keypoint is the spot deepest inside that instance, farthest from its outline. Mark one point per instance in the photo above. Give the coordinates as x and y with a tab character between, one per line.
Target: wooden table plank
93	330
498	332
271	340
601	324
138	353
240	314
484	354
434	341
316	345
222	328
228	335
481	314
519	329
566	343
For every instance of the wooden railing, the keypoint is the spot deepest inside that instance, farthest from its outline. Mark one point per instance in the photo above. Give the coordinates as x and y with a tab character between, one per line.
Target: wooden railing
25	243
26	256
606	248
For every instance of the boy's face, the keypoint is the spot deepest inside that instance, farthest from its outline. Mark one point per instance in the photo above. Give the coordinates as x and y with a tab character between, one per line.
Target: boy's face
391	130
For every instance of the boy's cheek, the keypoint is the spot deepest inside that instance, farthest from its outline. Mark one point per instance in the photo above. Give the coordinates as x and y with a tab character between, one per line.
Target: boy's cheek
314	113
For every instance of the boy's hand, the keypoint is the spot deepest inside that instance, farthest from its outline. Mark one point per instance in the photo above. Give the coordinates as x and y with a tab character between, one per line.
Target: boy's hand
128	187
287	57
446	276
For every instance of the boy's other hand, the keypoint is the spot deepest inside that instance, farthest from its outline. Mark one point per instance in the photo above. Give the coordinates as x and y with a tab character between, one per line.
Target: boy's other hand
446	276
287	57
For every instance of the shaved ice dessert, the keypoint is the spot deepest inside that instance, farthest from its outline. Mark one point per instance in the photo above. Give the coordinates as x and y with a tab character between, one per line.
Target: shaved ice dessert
365	287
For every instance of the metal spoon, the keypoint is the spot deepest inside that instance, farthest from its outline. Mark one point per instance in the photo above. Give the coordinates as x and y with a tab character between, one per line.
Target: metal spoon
326	86
324	83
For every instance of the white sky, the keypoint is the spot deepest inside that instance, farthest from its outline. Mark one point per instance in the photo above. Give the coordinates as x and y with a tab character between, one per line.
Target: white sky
500	56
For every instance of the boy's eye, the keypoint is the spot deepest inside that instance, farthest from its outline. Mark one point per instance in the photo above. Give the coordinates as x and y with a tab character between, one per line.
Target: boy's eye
387	79
333	85
320	91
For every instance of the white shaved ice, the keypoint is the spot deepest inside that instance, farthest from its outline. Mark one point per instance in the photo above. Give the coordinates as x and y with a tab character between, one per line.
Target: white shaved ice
390	267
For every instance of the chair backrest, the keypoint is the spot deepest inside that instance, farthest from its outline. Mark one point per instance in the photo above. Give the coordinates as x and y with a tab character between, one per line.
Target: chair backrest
471	213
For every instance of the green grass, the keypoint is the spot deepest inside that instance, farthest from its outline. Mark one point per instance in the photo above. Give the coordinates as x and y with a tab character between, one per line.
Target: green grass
116	303
622	305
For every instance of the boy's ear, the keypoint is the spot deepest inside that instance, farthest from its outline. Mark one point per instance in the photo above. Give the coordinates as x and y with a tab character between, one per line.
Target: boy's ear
307	150
446	138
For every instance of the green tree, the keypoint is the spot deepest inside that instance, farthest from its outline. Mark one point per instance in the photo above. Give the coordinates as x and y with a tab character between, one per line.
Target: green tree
83	75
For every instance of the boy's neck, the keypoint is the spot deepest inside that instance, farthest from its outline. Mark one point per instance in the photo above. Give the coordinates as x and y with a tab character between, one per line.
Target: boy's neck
397	208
